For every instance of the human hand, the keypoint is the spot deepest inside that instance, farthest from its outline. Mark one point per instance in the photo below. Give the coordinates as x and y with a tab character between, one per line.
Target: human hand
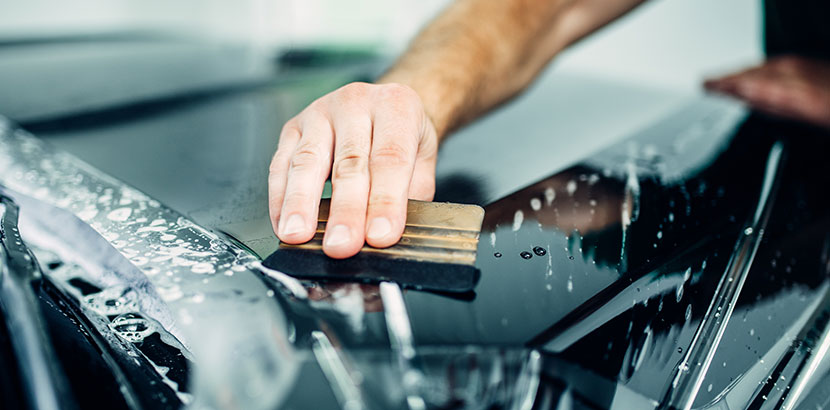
378	145
790	86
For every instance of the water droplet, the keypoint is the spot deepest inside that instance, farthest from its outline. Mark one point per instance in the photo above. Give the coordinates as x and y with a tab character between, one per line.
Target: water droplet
679	349
518	218
112	301
709	389
88	214
571	187
689	312
748	231
570	284
170	293
203	268
497	254
138	260
538	250
120	214
526	255
550	195
535	204
132	327
671	216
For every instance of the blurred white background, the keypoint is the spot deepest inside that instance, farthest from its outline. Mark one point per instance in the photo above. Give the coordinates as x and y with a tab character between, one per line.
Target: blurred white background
666	43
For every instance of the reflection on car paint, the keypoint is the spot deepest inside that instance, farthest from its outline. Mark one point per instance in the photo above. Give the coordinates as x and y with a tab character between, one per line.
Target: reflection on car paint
606	285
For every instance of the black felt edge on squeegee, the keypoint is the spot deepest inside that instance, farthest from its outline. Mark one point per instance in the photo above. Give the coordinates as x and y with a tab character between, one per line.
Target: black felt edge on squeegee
363	268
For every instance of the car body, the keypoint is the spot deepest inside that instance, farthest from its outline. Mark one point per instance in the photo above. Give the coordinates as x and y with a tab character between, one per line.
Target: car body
683	266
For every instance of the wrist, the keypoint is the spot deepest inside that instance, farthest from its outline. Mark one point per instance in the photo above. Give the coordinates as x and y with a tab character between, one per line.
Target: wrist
439	109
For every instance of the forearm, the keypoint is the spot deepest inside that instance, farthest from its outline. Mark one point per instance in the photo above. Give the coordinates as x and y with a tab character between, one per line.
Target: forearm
479	53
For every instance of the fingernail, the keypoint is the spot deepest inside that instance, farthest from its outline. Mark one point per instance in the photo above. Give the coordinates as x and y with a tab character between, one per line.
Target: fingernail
379	228
338	235
294	224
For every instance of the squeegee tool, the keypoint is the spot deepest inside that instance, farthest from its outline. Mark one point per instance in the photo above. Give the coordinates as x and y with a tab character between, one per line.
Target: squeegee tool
437	252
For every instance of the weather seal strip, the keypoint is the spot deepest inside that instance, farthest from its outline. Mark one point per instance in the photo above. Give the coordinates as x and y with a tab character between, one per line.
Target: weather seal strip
690	372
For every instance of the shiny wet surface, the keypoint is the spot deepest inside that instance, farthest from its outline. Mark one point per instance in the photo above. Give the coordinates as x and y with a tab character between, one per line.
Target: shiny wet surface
613	264
594	279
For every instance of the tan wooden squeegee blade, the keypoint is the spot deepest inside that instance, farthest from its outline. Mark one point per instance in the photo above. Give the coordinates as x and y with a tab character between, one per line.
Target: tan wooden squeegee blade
439	232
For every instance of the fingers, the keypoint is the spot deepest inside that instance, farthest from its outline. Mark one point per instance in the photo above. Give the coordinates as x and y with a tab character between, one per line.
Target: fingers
771	87
278	171
392	161
762	87
731	84
350	184
308	170
422	185
380	149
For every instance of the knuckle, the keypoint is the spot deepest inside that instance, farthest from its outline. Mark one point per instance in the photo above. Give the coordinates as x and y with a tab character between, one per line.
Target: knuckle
306	156
349	166
289	127
315	112
398	92
353	91
384	200
290	133
277	162
391	155
428	149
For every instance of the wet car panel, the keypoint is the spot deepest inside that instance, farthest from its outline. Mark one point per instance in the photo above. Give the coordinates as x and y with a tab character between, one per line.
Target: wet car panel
595	280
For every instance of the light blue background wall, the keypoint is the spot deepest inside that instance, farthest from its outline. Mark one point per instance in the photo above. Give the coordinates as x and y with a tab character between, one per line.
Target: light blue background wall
670	43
